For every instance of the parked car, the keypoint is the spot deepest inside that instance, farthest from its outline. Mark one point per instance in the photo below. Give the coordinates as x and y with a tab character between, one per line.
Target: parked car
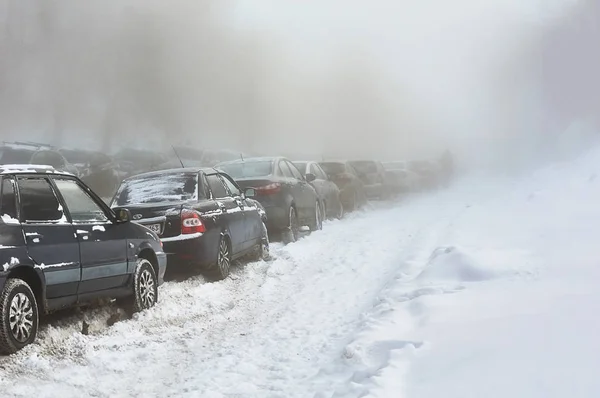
373	176
289	200
61	245
33	153
352	190
200	214
402	179
96	169
328	192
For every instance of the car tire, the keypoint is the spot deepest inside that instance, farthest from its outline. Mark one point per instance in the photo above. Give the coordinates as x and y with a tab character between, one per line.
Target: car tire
145	287
222	267
317	223
20	318
261	251
292	232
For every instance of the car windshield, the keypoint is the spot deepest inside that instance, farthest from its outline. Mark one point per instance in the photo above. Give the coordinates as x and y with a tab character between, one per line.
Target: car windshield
248	169
167	187
301	166
15	156
364	166
332	168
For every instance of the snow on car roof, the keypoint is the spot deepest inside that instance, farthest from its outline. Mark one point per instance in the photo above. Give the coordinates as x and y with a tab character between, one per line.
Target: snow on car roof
29	168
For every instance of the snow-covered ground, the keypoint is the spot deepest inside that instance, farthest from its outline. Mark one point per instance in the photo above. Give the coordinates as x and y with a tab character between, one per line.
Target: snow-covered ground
487	289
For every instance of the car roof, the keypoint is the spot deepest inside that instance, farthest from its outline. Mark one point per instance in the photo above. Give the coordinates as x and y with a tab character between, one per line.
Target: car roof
206	170
29	169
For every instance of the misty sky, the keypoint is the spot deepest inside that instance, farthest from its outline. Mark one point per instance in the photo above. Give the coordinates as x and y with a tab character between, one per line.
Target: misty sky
384	80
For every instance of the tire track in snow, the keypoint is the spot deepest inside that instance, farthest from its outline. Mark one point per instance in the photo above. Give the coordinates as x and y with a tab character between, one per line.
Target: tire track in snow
266	331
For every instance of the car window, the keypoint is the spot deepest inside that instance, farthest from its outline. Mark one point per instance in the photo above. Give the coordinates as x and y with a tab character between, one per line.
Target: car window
205	189
315	170
247	169
216	186
319	172
158	187
81	206
233	189
8	204
285	170
295	172
38	201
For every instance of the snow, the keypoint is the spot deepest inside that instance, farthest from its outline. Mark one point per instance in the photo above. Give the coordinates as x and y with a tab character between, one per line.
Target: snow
99	228
486	289
13	261
7	219
57	265
182	237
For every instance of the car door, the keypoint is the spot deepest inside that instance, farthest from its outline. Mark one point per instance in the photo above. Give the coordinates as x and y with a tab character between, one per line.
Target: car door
102	243
252	220
232	217
51	240
305	192
330	190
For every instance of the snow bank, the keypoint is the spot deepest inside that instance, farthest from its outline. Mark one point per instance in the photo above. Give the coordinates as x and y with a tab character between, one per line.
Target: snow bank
452	264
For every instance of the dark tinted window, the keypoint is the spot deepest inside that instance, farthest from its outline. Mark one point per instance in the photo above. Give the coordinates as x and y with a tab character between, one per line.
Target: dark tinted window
216	186
38	202
154	188
8	203
81	206
231	186
247	169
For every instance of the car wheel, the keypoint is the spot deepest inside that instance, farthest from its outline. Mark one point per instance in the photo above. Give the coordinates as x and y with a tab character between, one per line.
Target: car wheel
292	233
222	267
145	286
317	224
19	311
262	252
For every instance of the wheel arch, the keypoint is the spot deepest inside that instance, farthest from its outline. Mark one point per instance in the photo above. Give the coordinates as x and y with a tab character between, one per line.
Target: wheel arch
148	253
36	281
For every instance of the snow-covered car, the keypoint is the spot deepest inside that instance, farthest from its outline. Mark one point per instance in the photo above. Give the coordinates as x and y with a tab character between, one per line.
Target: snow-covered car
402	179
201	216
60	246
289	200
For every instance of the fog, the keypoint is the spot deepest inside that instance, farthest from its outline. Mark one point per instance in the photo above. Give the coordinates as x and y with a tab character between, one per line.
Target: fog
387	80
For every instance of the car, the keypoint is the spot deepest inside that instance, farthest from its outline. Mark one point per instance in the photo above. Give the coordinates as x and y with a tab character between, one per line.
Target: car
402	179
290	202
132	161
428	172
352	189
200	214
328	192
96	169
373	176
61	246
21	152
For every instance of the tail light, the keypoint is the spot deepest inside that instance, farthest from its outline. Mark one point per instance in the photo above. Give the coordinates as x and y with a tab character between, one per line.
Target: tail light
269	189
191	222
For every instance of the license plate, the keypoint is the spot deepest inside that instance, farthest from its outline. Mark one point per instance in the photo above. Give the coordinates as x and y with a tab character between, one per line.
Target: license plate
154	228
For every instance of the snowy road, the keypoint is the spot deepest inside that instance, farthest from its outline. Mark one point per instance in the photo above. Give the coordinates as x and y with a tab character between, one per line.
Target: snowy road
266	331
444	294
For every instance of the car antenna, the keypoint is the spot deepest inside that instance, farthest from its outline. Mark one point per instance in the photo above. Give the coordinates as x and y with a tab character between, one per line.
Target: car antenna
242	156
178	158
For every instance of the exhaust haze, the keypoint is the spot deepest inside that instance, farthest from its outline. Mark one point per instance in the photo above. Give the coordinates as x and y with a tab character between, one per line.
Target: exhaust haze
386	80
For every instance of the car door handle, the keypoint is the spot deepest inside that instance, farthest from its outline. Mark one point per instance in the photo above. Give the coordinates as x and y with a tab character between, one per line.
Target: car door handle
82	232
34	235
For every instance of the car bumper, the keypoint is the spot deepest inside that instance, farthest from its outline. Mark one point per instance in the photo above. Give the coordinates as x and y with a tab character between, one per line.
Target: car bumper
192	250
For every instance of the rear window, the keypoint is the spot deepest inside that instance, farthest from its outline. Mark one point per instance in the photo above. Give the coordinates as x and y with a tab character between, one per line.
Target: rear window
301	166
248	169
364	166
15	156
333	168
172	187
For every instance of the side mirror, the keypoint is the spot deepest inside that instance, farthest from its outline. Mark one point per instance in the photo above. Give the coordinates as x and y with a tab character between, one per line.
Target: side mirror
250	192
310	177
123	215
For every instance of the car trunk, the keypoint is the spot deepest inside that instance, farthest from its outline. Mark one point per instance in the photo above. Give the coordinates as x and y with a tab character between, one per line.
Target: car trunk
165	217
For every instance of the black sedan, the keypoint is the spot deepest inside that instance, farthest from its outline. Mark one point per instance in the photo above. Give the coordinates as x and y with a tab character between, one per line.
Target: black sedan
200	214
289	200
328	192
